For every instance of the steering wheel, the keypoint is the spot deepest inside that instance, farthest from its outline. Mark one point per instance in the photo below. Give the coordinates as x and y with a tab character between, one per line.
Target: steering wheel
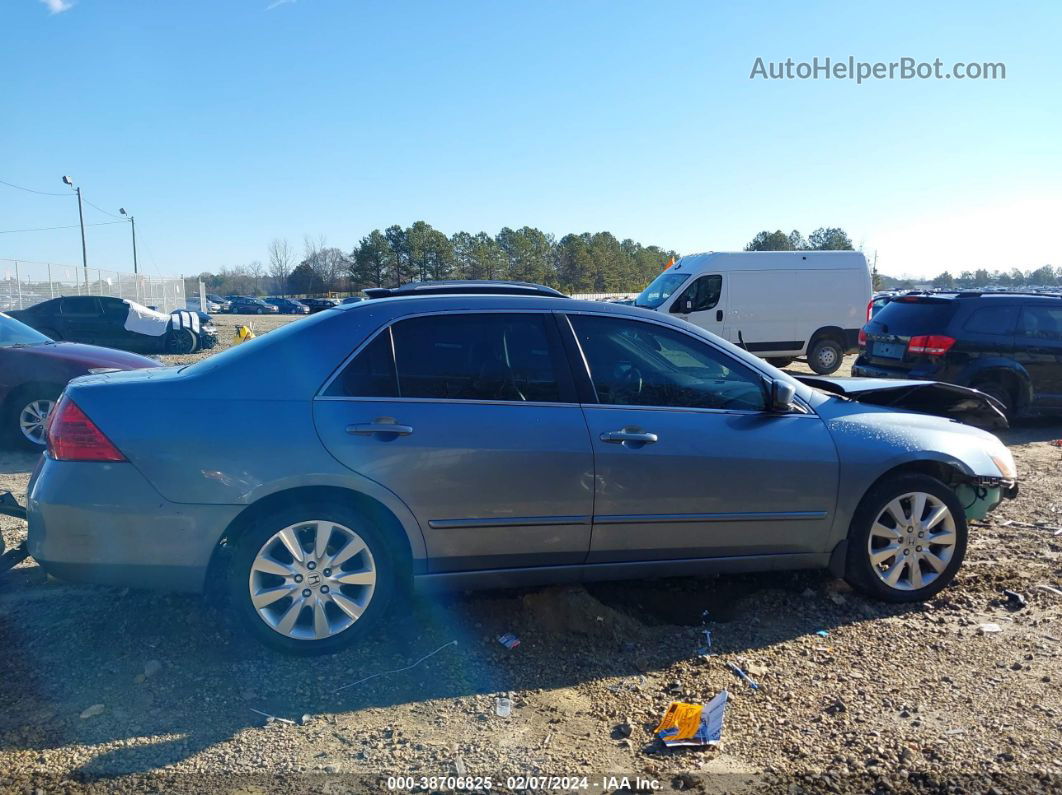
630	382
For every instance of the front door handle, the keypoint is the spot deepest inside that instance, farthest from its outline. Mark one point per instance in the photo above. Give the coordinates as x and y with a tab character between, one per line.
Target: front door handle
625	435
382	425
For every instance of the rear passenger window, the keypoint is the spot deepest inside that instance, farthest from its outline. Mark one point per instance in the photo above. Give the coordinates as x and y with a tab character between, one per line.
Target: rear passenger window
480	356
80	306
1041	322
370	374
992	320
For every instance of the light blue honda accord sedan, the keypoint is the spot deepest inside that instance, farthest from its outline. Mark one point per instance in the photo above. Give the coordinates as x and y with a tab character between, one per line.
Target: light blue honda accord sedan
462	440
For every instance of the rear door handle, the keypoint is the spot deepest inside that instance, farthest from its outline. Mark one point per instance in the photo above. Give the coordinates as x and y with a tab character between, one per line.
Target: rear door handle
380	425
618	437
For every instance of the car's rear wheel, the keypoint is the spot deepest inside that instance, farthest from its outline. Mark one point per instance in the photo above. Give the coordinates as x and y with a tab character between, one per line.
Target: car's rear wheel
825	356
312	579
907	539
27	415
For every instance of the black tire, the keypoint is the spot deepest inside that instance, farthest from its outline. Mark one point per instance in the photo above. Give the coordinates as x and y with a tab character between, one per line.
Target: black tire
861	573
259	310
251	543
825	356
1001	392
181	341
14	407
780	361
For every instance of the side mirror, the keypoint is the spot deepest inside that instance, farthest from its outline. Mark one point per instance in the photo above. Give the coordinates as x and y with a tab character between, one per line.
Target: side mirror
782	395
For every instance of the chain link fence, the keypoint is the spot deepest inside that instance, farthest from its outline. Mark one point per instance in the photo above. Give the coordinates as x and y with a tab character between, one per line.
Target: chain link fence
24	284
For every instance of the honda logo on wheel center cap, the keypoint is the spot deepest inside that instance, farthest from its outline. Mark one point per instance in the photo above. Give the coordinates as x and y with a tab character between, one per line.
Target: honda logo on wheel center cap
313	580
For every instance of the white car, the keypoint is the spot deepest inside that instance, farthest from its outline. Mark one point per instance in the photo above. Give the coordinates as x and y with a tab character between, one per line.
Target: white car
210	308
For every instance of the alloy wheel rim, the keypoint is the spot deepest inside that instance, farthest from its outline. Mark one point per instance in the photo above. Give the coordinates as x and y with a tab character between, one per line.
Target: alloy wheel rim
33	418
312	580
912	541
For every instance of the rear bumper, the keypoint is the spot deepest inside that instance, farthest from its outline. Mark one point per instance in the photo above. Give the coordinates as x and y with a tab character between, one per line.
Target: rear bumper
863	369
104	523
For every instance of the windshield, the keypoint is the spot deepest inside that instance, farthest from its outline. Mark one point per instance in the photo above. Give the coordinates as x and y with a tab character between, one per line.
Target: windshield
14	332
660	289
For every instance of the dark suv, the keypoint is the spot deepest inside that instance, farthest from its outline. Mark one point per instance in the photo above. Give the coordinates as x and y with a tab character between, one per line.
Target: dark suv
1008	345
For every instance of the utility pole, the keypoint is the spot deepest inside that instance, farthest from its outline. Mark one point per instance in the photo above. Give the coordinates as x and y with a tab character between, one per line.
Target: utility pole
81	217
132	222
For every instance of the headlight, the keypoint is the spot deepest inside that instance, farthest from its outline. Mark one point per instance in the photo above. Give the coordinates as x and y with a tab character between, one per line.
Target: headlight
1004	462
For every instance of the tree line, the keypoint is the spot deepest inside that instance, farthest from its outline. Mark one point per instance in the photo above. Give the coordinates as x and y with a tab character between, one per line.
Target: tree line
586	262
576	263
1044	276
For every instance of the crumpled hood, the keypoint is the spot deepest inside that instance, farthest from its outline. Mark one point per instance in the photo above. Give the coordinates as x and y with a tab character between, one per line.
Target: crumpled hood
956	402
91	356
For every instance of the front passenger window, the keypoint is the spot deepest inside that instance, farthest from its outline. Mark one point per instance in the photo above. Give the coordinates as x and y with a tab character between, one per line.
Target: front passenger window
700	296
643	364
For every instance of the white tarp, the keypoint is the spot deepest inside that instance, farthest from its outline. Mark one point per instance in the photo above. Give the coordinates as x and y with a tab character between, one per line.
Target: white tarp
142	320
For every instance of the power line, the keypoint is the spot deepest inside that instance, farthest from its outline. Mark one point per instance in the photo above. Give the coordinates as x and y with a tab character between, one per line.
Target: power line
50	228
112	215
31	190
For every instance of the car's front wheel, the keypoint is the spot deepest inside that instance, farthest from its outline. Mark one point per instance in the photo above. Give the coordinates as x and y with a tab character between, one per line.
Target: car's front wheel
907	539
182	340
312	579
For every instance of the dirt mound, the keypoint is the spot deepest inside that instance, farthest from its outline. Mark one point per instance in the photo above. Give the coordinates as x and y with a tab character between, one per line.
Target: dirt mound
571	610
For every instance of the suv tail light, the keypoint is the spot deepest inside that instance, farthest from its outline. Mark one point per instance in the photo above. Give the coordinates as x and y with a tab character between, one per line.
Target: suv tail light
870	308
931	345
862	338
72	436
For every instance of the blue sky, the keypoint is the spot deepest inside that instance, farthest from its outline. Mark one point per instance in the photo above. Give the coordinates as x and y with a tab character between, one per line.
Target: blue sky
221	125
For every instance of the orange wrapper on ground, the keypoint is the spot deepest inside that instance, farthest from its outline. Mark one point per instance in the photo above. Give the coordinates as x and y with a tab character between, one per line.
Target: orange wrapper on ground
693	724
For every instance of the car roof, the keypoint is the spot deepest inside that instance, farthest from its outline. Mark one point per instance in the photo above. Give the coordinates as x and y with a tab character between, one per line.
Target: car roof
465	287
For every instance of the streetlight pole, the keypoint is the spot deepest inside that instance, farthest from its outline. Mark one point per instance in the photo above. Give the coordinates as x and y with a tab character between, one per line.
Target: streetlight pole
132	223
81	217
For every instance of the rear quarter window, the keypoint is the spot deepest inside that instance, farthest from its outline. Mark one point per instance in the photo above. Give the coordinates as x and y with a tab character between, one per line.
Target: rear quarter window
998	320
908	318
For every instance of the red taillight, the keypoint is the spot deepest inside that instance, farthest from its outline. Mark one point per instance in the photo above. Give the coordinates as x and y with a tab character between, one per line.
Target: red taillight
72	436
862	338
870	309
931	345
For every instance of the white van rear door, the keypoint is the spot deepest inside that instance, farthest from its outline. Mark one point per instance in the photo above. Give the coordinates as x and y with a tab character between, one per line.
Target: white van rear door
703	303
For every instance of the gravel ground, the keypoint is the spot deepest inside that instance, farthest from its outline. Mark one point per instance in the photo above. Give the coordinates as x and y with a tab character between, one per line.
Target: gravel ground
106	689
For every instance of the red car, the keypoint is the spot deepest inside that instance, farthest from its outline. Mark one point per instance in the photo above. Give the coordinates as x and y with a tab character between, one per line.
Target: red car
34	370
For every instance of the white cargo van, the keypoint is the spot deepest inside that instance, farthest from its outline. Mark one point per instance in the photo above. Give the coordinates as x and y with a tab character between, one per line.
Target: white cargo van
776	304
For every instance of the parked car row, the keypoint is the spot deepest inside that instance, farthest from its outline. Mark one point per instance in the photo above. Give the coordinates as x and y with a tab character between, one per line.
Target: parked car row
251	305
441	440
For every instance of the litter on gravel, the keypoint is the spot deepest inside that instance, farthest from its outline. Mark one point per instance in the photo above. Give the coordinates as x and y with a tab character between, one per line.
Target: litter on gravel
747	679
988	629
503	706
269	717
509	640
693	724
